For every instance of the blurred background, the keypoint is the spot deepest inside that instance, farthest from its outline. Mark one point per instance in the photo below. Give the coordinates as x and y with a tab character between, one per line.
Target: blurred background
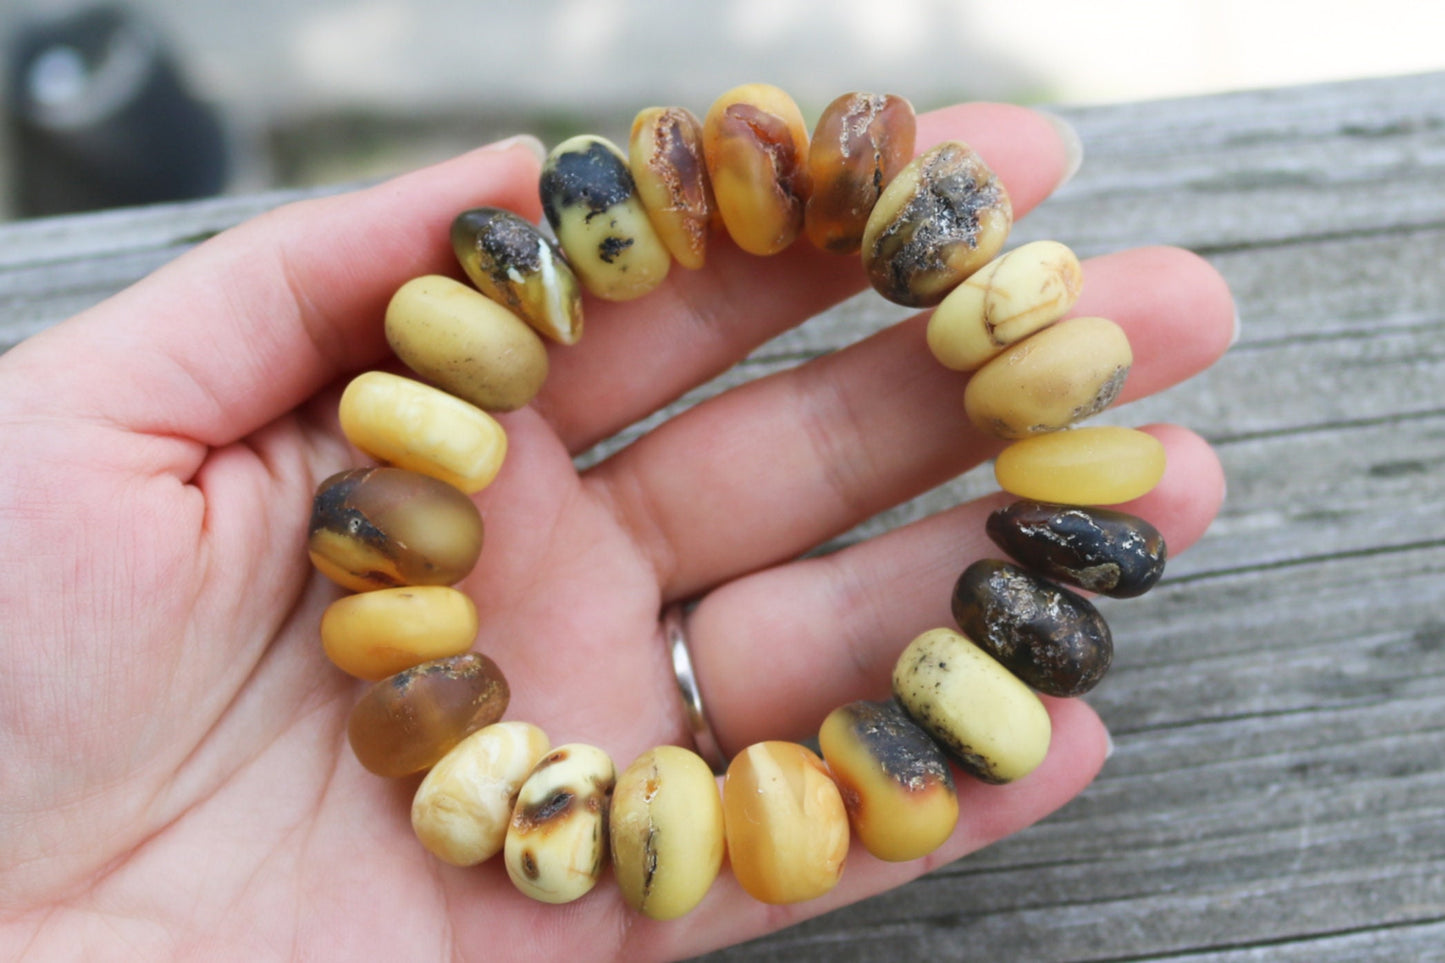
148	100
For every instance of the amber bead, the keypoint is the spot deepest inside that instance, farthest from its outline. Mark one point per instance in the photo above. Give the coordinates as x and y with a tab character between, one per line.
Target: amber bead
376	528
1097	549
1102	465
514	264
665	155
556	845
407	722
376	634
860	144
756	146
1051	638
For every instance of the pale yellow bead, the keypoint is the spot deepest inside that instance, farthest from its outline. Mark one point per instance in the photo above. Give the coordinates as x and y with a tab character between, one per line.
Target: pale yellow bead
556	844
376	634
667	832
463	807
1102	465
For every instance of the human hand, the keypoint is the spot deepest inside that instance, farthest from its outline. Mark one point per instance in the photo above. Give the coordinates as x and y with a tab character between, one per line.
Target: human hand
179	781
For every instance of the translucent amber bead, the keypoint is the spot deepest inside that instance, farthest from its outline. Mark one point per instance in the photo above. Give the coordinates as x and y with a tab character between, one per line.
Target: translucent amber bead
666	158
376	634
1083	466
860	144
407	722
757	150
787	828
1098	549
556	845
514	264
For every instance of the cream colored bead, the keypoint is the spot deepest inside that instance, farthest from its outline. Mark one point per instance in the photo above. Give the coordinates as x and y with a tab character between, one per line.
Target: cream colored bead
990	722
787	828
376	634
666	827
1005	301
411	425
463	807
1051	380
557	841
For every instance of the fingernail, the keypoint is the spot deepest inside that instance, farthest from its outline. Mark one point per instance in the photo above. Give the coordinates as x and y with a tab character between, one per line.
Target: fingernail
1108	744
1233	338
1073	146
522	140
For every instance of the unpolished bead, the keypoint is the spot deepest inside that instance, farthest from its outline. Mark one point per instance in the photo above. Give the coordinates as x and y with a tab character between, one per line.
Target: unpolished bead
591	202
666	158
377	528
986	719
466	343
943	217
411	425
787	829
757	151
407	722
1098	549
1102	465
894	779
514	264
1049	637
666	827
376	634
860	144
1051	380
556	844
1005	301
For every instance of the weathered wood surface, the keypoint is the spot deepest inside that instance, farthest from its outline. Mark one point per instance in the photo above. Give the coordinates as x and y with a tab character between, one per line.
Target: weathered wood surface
1278	704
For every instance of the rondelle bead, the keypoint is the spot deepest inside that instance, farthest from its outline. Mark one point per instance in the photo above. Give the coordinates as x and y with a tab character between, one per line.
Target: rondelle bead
988	721
463	807
1052	639
1102	465
376	634
894	779
591	202
556	844
666	828
860	144
787	829
514	264
465	343
1097	549
1003	302
410	425
407	722
665	156
756	146
377	528
943	217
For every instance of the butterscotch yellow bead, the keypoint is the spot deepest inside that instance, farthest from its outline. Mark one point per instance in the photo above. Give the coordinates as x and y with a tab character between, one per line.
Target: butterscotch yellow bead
665	156
787	829
556	845
1084	466
376	634
756	146
1051	380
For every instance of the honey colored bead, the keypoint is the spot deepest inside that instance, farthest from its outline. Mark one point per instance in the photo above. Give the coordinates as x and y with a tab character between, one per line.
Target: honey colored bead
1005	301
1052	639
1102	465
557	842
514	264
757	153
666	158
377	528
407	722
943	217
1098	549
411	425
666	827
787	829
465	343
1051	380
894	779
860	144
984	717
591	202
377	634
463	807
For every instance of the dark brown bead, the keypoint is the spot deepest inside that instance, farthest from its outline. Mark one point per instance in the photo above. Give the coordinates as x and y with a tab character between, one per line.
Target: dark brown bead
1052	639
1097	549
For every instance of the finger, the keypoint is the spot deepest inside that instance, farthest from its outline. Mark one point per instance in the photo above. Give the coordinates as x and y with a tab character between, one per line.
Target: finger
777	651
640	355
768	471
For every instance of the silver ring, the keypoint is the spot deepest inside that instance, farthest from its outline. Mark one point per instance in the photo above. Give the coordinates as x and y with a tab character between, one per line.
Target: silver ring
675	635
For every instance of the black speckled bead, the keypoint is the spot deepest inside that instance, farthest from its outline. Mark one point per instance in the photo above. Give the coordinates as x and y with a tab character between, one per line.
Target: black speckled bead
1097	549
1052	639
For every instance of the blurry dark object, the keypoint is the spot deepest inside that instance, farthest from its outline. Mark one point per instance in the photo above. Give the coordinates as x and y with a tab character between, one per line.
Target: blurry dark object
100	117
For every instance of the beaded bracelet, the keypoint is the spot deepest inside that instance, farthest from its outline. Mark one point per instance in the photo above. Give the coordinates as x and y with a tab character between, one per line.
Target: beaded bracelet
928	230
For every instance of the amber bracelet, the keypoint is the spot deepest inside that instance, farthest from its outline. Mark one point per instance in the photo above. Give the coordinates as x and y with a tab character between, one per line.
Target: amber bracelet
929	231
